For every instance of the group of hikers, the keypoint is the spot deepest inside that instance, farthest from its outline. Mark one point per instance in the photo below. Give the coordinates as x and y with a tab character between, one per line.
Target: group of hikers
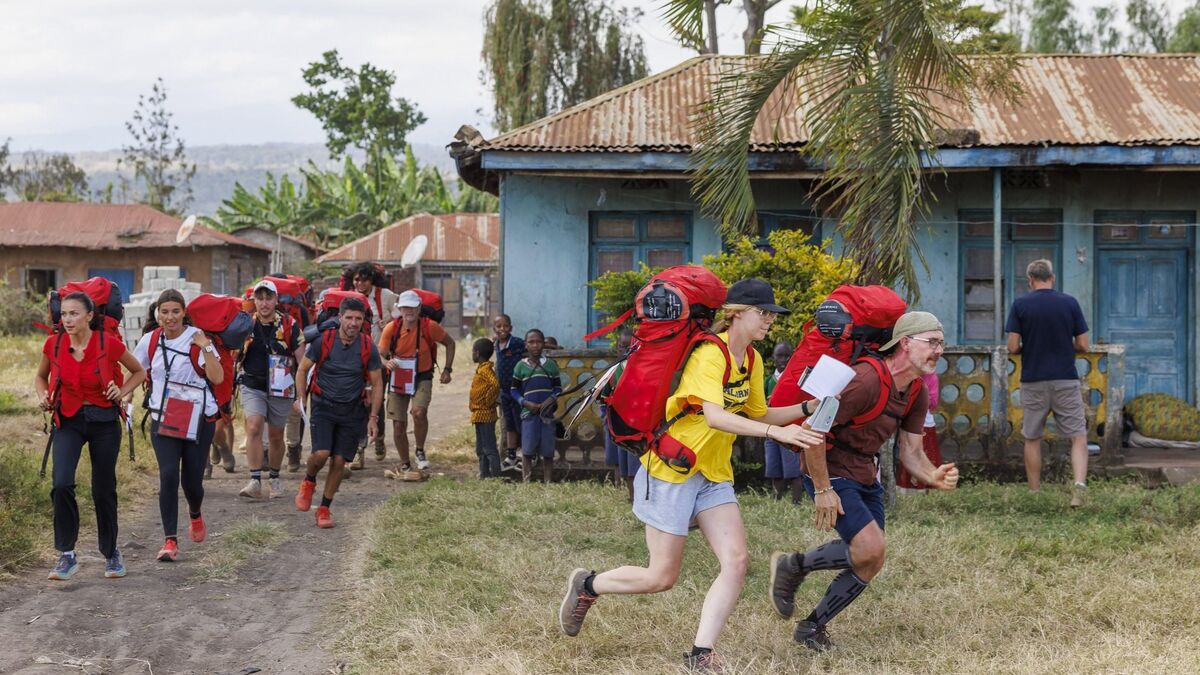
682	479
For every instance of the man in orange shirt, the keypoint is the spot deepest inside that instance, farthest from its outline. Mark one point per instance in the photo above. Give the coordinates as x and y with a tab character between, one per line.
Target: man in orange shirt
408	346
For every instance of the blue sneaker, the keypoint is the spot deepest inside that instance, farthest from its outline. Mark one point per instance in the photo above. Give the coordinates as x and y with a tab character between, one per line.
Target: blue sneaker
67	564
114	568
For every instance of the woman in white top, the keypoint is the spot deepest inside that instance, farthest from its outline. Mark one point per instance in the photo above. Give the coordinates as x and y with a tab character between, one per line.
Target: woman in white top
182	361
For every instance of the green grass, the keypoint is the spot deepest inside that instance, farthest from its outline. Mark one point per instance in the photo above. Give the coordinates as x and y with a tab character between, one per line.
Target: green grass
467	576
243	539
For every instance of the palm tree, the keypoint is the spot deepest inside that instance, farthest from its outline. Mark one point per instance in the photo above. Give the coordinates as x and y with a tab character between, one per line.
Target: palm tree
872	79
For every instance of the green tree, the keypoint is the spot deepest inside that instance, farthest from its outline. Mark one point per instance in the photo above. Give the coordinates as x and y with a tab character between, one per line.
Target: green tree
50	178
1105	36
1149	26
1054	29
157	155
694	23
1186	35
869	70
356	108
7	174
540	56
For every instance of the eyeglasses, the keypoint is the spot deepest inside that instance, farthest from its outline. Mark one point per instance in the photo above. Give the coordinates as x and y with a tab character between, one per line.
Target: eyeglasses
766	314
932	342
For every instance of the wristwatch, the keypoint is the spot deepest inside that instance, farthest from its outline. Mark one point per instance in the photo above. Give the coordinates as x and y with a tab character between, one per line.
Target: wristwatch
448	369
210	348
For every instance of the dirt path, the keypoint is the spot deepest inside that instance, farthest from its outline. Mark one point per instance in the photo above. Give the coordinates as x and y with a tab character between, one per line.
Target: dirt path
162	619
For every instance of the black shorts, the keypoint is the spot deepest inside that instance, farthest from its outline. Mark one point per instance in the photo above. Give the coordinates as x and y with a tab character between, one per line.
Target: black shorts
337	427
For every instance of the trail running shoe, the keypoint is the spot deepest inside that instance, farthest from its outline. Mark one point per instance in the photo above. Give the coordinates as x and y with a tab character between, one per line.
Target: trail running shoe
1078	495
276	488
114	567
813	636
708	662
169	550
293	458
305	495
253	489
576	603
786	577
197	529
380	452
66	566
422	463
510	463
324	518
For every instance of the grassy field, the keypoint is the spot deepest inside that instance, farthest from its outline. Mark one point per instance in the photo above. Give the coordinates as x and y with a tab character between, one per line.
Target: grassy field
464	576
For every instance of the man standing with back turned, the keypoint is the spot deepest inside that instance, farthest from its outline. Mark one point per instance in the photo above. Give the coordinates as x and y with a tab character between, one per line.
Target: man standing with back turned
1047	329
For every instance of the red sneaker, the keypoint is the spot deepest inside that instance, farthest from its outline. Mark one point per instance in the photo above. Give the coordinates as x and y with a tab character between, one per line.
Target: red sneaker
197	530
304	496
168	552
324	520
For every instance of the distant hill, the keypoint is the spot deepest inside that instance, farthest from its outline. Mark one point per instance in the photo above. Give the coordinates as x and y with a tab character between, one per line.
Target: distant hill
219	167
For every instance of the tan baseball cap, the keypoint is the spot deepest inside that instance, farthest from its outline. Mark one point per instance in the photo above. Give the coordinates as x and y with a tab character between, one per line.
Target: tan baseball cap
912	323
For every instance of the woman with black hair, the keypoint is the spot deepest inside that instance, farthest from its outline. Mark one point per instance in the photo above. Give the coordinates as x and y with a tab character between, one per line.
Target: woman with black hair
182	362
76	381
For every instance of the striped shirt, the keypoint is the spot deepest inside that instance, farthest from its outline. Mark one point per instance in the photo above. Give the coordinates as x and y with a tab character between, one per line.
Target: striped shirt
485	390
535	382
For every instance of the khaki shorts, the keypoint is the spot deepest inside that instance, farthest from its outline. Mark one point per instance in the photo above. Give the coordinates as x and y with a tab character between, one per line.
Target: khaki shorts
397	404
1061	397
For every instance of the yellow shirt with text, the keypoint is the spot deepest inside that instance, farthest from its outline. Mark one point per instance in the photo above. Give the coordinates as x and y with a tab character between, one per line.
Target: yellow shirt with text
702	381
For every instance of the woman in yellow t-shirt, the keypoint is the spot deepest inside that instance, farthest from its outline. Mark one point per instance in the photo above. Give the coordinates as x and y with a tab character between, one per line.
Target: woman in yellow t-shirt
668	502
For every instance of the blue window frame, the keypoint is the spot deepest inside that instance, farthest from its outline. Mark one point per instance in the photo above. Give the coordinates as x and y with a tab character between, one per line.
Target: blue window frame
621	241
1026	235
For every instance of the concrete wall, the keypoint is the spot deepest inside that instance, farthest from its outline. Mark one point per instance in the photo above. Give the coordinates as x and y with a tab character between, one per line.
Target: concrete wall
72	264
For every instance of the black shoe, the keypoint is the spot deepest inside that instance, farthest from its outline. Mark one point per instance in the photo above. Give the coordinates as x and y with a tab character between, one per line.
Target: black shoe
813	636
293	458
785	579
708	662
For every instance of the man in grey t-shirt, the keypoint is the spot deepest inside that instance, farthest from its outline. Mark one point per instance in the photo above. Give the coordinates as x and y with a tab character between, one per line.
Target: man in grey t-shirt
346	363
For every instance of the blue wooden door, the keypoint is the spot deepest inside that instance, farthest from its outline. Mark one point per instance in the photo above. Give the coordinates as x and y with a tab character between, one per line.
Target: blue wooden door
121	277
1143	303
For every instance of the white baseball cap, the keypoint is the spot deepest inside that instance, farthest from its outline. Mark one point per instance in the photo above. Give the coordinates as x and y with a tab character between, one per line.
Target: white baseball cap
267	284
408	299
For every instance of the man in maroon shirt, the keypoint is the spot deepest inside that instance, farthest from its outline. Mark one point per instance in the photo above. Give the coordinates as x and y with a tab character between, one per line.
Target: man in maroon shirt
840	477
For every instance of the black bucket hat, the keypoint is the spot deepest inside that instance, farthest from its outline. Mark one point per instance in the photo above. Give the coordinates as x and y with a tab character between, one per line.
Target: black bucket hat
755	292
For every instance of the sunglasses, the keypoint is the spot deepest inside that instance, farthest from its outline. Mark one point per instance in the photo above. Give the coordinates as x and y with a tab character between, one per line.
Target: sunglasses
767	315
935	343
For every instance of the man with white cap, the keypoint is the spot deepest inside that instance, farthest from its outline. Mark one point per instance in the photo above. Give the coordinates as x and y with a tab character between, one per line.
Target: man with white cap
884	398
408	346
268	362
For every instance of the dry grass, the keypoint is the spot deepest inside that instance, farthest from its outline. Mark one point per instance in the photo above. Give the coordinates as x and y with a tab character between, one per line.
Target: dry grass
467	577
241	540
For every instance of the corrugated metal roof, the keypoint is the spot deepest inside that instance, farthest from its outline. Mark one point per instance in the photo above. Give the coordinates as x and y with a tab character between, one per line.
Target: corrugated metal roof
101	226
468	237
1098	99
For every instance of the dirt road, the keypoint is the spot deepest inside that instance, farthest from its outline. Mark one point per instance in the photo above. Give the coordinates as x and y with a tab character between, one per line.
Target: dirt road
163	618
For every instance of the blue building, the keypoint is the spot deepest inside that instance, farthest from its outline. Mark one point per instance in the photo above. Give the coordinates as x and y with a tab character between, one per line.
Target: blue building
1097	168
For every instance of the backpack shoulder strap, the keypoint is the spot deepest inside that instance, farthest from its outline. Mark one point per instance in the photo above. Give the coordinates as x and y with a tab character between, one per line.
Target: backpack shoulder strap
396	324
106	372
55	368
885	391
365	344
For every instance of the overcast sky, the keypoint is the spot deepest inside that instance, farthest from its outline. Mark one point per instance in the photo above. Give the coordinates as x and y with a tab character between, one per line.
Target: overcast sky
70	71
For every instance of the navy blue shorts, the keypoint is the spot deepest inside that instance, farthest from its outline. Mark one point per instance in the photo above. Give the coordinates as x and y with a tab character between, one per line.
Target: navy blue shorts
614	455
510	414
780	461
861	503
337	427
537	437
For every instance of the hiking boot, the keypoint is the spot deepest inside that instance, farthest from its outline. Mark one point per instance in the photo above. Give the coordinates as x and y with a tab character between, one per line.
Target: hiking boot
813	636
276	487
305	495
169	550
708	662
114	567
359	463
208	470
66	566
422	463
293	458
324	518
786	577
380	452
197	530
1078	495
228	461
253	489
576	603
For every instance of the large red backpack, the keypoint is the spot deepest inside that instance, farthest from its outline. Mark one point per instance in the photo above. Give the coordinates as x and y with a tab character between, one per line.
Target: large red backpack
675	311
293	297
852	323
431	304
106	299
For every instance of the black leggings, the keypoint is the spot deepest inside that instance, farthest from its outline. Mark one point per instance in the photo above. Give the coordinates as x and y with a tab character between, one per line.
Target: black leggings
104	446
192	456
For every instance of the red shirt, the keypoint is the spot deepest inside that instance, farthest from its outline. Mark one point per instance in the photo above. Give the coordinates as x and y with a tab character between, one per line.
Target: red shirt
80	380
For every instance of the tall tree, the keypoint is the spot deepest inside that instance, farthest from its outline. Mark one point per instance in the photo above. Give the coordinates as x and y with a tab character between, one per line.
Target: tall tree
7	174
868	70
1186	36
1054	29
50	178
356	109
540	56
1105	36
157	155
694	23
1149	26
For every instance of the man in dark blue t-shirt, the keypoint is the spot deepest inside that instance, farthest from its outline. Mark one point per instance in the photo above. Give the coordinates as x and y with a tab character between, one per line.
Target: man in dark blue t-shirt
1047	329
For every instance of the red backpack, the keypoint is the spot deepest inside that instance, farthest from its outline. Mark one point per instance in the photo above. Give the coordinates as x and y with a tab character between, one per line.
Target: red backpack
852	322
106	298
293	294
431	304
328	335
675	310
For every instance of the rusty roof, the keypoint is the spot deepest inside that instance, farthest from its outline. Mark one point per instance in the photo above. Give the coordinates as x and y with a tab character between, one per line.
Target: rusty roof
102	226
1101	99
459	237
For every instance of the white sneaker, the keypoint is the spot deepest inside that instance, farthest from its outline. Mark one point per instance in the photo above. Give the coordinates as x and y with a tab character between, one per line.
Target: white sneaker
422	463
276	488
253	489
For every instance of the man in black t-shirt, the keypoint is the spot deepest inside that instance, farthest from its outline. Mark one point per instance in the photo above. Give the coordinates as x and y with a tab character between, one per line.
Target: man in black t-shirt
268	361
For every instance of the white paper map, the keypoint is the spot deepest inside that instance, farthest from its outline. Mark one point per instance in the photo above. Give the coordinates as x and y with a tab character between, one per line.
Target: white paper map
828	378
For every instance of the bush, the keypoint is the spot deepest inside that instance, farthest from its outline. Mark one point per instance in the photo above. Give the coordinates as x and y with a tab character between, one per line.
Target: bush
24	509
18	311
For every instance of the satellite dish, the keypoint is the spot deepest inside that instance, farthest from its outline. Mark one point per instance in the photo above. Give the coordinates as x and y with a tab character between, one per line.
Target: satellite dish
185	230
414	251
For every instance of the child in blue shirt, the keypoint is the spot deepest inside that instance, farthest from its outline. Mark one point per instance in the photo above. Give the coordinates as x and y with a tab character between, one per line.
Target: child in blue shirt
536	384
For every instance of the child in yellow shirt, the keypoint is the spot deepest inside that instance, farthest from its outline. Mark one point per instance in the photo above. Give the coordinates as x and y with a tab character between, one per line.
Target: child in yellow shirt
484	397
